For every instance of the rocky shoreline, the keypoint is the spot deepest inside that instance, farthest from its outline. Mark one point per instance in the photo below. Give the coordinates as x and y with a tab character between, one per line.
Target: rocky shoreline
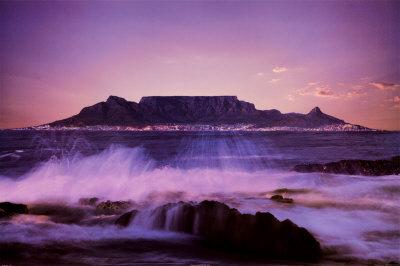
218	226
354	167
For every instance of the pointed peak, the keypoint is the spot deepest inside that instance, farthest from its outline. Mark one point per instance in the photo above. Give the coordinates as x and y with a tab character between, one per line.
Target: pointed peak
113	99
315	110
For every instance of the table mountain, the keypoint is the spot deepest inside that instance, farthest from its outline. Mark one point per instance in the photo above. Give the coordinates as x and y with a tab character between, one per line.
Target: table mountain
152	110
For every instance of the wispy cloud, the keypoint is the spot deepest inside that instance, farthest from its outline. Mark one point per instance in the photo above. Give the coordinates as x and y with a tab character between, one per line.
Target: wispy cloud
318	89
290	97
354	93
279	69
396	101
324	92
383	86
274	80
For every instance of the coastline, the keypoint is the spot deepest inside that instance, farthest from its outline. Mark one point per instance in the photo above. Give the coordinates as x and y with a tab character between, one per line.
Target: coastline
206	127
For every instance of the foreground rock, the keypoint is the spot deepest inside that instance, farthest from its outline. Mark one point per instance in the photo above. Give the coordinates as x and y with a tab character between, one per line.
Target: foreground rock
281	199
73	214
260	234
291	191
355	167
88	201
112	207
8	209
126	218
59	213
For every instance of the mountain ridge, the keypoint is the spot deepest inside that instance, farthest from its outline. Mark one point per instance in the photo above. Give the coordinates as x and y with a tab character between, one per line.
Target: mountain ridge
216	110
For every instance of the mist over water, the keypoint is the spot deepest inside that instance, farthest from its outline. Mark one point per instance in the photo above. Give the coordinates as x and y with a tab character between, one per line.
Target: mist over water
356	216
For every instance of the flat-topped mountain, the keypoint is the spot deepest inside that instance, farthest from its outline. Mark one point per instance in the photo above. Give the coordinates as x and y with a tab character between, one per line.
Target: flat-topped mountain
160	110
196	109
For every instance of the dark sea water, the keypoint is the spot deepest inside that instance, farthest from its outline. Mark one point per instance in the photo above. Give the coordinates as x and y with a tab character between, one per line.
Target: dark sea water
22	150
355	218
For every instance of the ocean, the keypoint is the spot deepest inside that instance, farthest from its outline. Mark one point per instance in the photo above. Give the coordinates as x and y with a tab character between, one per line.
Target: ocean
355	218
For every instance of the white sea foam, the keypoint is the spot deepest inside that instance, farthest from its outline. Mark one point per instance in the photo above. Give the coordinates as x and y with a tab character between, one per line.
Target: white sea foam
340	210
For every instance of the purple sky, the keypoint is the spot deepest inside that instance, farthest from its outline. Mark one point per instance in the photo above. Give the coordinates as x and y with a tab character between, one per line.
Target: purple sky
343	56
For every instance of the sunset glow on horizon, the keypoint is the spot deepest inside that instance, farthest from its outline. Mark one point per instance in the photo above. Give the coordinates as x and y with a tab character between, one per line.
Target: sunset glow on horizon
343	56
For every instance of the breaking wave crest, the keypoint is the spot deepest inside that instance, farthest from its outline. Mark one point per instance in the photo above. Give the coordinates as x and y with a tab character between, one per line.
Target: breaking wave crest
358	213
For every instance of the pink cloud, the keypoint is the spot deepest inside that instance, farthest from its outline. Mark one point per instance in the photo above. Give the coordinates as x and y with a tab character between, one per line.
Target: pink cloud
383	86
290	98
318	89
324	92
396	101
279	69
274	80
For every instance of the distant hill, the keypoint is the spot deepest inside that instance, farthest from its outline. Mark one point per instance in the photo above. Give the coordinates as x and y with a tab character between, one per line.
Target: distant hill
158	110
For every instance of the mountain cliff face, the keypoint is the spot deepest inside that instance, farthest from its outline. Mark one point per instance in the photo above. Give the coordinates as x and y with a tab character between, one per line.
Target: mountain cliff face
197	109
117	111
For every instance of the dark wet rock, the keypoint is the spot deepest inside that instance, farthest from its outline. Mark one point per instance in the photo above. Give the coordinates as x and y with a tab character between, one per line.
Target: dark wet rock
166	196
112	207
61	213
291	191
381	235
355	167
88	201
126	218
8	209
223	227
281	199
98	220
